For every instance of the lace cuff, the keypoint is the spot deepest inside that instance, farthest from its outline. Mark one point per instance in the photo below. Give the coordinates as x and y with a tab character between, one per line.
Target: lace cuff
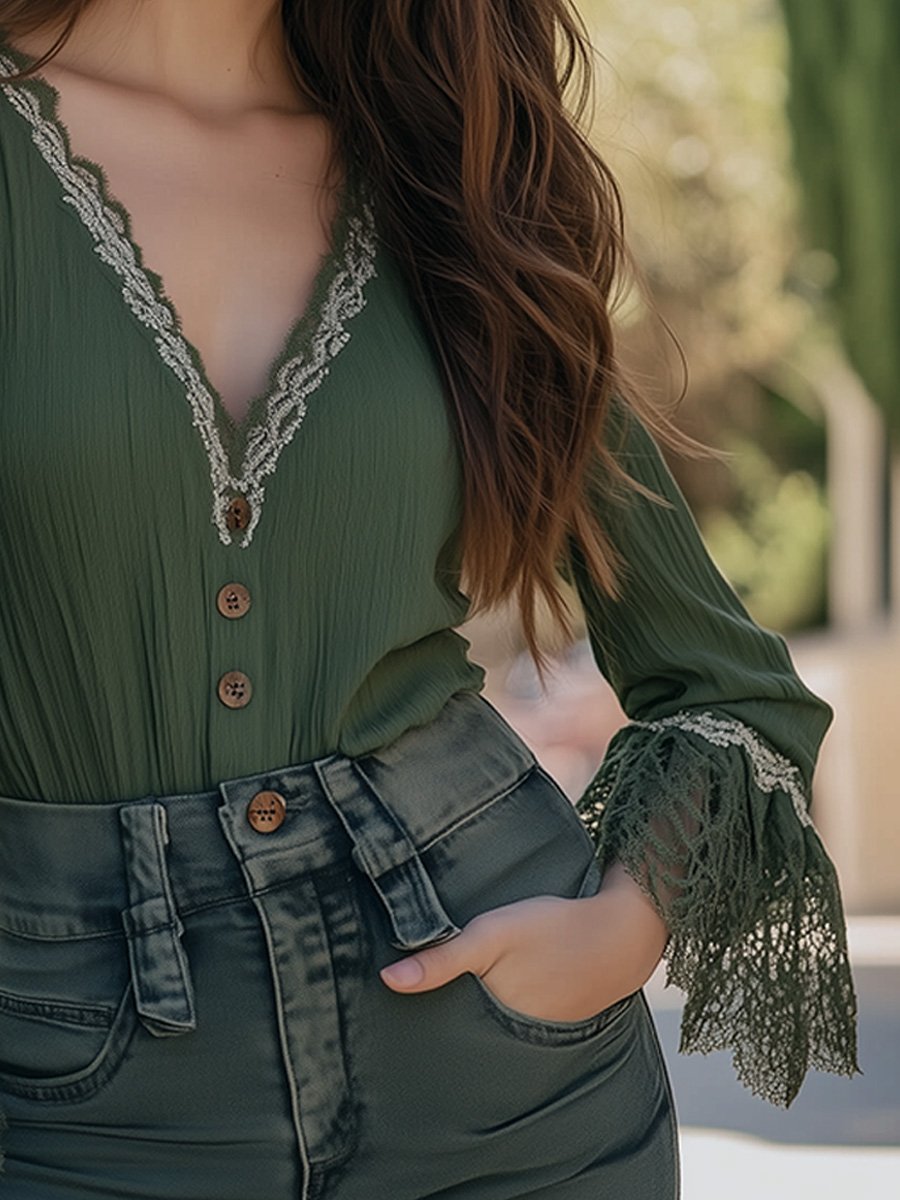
713	824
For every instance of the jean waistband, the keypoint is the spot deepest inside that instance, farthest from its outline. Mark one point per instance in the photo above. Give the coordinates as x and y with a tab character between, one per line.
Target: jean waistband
69	870
136	869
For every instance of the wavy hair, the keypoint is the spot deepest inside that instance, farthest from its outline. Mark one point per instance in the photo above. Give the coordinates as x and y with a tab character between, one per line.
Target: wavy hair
508	226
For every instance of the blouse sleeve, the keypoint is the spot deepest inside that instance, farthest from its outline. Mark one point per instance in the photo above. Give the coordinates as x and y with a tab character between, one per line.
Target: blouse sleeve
704	795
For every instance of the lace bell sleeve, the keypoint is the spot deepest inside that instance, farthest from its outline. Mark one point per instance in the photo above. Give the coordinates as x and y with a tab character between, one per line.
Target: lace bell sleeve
704	795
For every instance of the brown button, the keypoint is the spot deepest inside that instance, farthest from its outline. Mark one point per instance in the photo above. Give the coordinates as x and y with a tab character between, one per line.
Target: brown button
235	689
233	600
266	810
237	514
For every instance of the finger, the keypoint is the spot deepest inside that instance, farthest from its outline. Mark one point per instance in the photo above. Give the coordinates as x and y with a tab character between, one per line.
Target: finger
430	968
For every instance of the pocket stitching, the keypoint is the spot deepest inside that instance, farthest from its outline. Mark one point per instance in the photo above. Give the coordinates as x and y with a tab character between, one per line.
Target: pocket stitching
474	813
545	1032
520	1025
86	1082
64	1012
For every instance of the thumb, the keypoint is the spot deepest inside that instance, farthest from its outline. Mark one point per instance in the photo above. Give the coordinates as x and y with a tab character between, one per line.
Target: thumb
430	968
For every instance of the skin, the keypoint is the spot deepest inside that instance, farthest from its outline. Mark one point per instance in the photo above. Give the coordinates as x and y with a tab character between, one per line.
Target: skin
154	88
548	956
205	138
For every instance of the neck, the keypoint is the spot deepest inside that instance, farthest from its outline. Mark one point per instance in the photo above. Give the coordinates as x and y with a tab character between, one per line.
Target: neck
219	57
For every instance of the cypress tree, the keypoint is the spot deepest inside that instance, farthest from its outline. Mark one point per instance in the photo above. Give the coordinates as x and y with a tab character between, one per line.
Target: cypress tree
844	66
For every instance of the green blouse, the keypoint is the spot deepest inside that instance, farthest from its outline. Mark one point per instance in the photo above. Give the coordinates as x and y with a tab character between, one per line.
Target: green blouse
187	599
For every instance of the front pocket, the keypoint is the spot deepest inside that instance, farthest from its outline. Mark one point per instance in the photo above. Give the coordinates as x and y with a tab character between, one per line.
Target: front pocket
66	1014
541	1031
527	842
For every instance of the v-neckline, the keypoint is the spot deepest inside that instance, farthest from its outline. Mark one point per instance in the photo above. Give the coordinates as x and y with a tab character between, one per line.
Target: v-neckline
240	452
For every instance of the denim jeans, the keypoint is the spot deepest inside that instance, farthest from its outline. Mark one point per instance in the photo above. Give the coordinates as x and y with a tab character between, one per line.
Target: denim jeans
190	1006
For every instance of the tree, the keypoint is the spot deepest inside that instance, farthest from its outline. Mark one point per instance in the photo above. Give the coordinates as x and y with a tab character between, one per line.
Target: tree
691	117
843	61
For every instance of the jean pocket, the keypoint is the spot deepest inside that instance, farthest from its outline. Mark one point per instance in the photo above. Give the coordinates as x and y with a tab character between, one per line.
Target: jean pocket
66	1014
527	842
541	1031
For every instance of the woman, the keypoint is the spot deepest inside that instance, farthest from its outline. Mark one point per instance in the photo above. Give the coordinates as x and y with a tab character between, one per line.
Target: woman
286	909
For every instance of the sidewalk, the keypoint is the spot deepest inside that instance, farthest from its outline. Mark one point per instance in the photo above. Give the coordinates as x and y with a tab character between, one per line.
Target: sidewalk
874	942
717	1164
856	1123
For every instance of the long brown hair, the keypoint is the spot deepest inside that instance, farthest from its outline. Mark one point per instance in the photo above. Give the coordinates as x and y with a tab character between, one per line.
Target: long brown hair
508	226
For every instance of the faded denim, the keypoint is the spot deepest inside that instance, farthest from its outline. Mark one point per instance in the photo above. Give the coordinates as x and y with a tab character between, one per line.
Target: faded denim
191	1010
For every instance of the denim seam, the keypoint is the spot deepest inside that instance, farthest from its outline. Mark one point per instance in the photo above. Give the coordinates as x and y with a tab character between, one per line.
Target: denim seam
158	928
473	813
210	905
38	1009
96	1075
672	1120
188	910
548	1033
94	935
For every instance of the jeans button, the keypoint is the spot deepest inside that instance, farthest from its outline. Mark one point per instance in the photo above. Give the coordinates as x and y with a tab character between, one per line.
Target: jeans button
266	811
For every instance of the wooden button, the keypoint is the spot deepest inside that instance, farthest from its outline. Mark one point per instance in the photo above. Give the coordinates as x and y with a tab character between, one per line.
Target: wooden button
233	600
266	810
237	514
235	689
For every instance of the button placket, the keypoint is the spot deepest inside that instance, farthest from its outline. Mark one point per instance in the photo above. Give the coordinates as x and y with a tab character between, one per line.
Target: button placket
234	688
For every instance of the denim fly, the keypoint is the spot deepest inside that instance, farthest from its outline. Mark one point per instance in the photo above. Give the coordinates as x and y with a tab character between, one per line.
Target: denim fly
102	908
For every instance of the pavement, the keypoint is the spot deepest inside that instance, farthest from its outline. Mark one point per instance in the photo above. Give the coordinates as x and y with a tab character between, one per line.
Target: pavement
740	1167
840	1137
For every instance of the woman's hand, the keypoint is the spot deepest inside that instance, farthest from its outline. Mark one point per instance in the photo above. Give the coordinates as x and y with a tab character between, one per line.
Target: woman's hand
549	957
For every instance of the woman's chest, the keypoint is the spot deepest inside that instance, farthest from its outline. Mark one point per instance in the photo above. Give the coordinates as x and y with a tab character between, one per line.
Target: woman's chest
233	215
110	440
109	423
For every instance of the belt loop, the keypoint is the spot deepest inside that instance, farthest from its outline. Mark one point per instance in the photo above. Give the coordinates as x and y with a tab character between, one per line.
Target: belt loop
384	852
163	990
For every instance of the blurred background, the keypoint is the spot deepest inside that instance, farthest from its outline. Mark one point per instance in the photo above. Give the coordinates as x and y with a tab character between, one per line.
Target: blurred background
756	145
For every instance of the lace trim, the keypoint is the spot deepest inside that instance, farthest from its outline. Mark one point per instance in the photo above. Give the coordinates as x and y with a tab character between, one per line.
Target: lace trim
297	379
772	772
752	902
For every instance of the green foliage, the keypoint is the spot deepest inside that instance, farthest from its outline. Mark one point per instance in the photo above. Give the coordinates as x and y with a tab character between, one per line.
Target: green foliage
691	118
844	61
773	547
793	437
